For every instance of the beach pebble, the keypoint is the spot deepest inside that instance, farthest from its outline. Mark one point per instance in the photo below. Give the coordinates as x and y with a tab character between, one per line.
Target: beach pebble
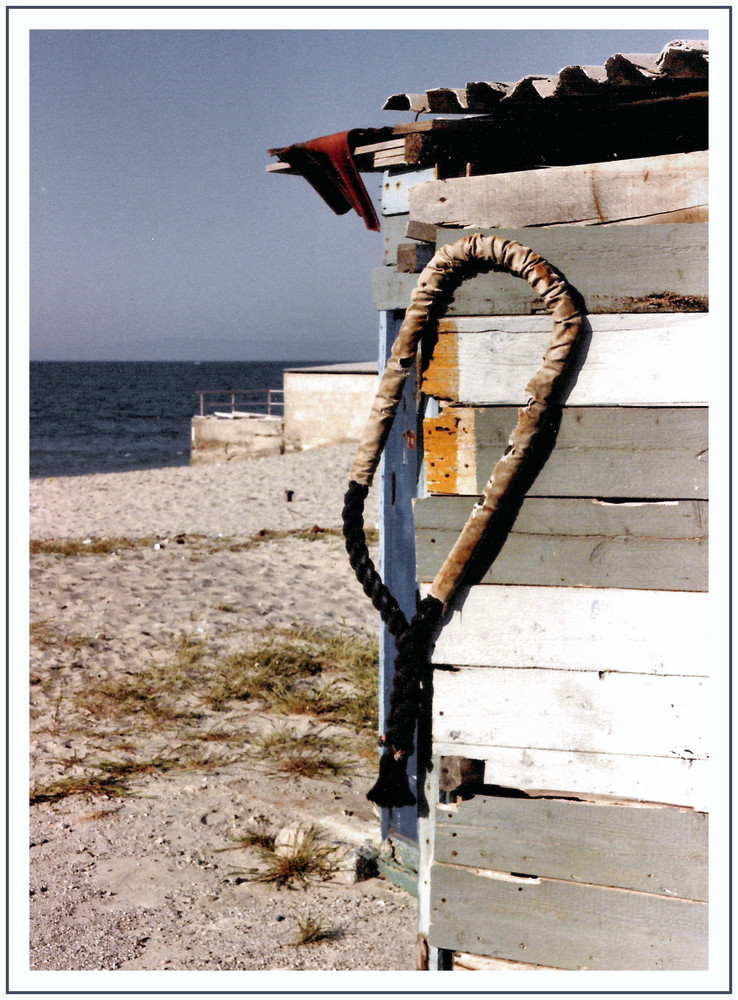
358	865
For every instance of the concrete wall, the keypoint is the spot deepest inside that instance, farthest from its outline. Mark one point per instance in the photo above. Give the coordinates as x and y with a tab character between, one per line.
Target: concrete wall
327	405
322	405
222	439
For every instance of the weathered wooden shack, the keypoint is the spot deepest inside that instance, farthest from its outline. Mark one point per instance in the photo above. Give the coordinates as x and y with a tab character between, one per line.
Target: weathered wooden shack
562	758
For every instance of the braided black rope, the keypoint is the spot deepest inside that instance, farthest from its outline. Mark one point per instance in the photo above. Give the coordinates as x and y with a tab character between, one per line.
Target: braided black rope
361	562
412	640
392	788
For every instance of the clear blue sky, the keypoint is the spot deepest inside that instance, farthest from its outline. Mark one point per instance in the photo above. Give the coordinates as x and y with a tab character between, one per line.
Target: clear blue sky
156	233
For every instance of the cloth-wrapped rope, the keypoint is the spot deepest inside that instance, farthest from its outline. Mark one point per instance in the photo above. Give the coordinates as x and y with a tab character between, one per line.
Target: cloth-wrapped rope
438	281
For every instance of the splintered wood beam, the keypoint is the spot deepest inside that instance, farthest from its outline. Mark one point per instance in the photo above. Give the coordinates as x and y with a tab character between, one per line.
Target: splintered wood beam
594	193
621	452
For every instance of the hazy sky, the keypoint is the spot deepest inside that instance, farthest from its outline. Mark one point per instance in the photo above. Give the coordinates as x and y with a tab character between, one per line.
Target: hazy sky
156	233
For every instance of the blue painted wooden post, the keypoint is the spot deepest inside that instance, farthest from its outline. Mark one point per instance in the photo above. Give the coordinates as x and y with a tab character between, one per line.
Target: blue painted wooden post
397	486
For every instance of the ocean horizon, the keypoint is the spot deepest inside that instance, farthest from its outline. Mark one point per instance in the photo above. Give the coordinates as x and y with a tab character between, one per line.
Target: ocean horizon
117	416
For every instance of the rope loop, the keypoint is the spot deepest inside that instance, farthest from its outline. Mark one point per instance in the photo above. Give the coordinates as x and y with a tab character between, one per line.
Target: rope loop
447	269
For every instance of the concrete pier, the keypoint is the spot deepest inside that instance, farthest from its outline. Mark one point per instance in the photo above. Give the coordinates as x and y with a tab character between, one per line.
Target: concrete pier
228	439
323	405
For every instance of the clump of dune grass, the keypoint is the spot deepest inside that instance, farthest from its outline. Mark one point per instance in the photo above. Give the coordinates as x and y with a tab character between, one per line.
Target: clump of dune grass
303	671
87	546
125	770
329	677
309	754
234	737
113	778
258	833
135	696
308	860
312	930
98	786
264	671
155	693
45	635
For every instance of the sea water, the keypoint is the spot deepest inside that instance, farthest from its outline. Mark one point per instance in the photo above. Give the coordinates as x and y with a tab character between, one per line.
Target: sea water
110	416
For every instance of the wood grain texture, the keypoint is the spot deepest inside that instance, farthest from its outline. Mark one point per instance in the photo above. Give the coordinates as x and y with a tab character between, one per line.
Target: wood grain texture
563	924
573	517
625	361
602	844
575	543
593	193
576	711
617	269
610	451
576	628
393	235
680	781
621	264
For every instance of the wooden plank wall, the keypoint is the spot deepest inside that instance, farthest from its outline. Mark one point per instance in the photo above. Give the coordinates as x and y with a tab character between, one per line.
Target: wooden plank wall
581	194
595	889
574	667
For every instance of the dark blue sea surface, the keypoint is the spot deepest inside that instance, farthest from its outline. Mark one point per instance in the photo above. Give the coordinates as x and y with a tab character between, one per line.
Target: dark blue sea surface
111	416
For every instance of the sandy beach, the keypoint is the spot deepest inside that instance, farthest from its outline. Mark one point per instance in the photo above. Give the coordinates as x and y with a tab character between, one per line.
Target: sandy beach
199	650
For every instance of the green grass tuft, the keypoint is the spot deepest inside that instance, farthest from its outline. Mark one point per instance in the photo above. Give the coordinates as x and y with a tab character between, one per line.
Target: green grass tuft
86	547
310	860
312	930
95	785
311	754
43	634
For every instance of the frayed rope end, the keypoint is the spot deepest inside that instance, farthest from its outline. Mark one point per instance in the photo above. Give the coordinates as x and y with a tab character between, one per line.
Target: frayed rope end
392	789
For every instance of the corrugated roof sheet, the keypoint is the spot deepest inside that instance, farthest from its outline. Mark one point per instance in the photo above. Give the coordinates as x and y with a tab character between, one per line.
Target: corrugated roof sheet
682	66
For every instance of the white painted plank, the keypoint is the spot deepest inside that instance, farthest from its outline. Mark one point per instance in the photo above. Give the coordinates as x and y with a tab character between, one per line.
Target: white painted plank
570	710
627	364
592	193
395	188
577	628
676	781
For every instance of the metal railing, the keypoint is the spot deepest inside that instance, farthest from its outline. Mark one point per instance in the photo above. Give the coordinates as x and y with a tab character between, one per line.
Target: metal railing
259	401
